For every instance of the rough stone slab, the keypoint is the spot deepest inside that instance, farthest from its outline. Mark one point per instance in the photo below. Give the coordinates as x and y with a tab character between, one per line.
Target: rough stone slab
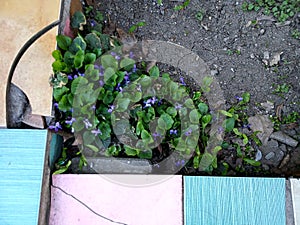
234	201
295	188
21	169
289	204
284	138
113	166
101	200
19	22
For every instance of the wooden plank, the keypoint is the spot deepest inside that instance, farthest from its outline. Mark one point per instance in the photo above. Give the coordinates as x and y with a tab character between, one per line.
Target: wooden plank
234	201
106	200
295	188
21	167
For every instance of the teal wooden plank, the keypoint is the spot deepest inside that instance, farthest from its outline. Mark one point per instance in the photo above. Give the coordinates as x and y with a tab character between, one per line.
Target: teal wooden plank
234	201
21	167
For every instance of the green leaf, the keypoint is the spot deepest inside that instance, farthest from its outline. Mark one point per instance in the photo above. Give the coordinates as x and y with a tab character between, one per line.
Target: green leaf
146	137
108	73
139	127
59	66
196	162
108	98
78	20
194	116
126	62
206	119
206	162
93	41
109	61
112	151
63	169
130	151
64	104
63	41
57	55
147	154
225	113
252	162
122	104
59	92
90	58
246	97
245	139
69	58
154	71
145	81
171	111
203	108
78	59
189	104
78	84
229	124
77	44
165	122
93	148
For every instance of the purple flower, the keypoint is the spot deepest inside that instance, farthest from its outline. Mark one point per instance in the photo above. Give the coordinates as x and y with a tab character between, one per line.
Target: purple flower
126	78
96	132
70	77
177	105
75	76
101	83
175	132
246	126
220	130
182	81
111	108
156	135
93	107
55	105
113	53
70	122
188	132
131	55
93	23
134	69
239	98
87	123
71	110
180	163
81	74
117	57
55	127
150	102
119	88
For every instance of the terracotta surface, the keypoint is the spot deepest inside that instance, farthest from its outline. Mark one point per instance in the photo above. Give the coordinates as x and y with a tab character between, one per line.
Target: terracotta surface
99	200
19	21
295	187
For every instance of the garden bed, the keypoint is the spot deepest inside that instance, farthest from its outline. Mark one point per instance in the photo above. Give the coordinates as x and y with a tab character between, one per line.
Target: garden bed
254	125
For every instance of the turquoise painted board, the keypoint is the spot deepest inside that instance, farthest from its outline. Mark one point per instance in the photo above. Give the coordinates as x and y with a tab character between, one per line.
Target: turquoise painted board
234	201
21	167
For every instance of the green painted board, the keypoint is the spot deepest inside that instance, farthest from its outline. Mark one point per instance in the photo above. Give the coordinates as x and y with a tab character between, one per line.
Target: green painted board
234	201
21	168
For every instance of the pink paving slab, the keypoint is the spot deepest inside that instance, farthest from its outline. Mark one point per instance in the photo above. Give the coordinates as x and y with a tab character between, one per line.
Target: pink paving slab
116	199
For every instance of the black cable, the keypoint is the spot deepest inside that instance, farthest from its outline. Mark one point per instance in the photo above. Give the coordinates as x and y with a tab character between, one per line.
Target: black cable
21	53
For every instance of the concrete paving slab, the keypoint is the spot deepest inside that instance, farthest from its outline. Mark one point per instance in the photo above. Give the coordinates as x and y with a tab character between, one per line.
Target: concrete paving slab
19	21
96	199
295	188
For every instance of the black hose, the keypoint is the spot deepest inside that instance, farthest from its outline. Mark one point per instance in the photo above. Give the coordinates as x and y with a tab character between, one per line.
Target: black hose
21	53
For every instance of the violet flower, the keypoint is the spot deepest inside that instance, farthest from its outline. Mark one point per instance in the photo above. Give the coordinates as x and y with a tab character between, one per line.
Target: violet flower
87	123
96	132
239	98
55	127
70	77
71	121
93	23
111	108
178	106
180	163
55	105
131	55
182	81
188	132
175	132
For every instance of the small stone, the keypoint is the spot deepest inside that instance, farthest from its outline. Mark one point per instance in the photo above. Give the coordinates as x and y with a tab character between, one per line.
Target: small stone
270	155
284	138
283	147
214	72
266	55
285	160
268	106
263	124
265	167
262	31
252	56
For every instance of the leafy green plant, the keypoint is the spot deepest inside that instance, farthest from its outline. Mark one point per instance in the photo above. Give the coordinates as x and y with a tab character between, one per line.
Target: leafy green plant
281	89
282	9
200	15
296	34
134	27
182	6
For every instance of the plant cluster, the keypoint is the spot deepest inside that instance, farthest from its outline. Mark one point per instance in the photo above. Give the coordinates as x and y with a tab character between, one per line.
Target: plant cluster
281	9
118	107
